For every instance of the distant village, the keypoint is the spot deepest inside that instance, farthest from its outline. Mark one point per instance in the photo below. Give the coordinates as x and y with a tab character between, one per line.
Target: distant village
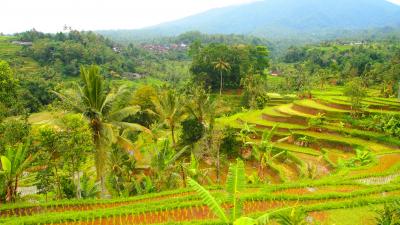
164	48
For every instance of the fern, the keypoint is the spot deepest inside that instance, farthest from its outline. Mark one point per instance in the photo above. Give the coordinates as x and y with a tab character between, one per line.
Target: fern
235	183
209	200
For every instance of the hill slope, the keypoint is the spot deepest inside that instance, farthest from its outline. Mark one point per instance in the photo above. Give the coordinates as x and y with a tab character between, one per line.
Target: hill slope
275	18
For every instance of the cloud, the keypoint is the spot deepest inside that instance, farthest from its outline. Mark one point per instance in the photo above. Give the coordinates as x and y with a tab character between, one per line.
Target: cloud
395	1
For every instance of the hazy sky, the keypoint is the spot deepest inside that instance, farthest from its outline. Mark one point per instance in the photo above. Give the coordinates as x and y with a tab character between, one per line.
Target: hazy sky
52	15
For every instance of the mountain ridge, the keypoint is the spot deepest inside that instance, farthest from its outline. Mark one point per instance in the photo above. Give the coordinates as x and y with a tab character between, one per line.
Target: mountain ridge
279	18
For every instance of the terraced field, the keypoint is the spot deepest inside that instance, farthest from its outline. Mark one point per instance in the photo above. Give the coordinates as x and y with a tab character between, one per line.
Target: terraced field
11	53
313	175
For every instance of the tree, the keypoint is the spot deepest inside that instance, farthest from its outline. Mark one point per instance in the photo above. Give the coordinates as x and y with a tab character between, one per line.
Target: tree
13	132
261	57
254	93
356	92
76	144
14	163
105	116
205	109
143	97
204	62
45	181
193	130
50	153
122	169
322	77
8	90
222	66
170	110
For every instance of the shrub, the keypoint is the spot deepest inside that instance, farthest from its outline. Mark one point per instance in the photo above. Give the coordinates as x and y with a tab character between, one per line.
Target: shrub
230	145
356	92
389	215
317	121
68	187
193	130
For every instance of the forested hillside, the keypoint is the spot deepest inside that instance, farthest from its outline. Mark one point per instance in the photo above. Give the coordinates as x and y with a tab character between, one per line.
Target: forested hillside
198	129
284	19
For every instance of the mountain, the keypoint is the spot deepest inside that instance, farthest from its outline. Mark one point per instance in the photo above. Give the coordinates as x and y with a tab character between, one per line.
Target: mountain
280	18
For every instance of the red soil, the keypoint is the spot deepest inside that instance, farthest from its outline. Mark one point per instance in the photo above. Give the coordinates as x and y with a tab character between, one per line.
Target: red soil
85	207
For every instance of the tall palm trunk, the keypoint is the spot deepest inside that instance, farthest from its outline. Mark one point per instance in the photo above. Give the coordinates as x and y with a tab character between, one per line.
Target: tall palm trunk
218	166
101	158
100	161
220	87
183	175
100	153
173	136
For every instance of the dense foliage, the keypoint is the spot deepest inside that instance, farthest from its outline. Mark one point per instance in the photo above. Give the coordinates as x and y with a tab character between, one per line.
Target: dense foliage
313	131
241	59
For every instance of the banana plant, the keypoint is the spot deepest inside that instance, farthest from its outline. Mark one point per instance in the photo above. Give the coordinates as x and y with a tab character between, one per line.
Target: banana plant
235	184
294	217
245	133
194	171
16	161
264	151
164	163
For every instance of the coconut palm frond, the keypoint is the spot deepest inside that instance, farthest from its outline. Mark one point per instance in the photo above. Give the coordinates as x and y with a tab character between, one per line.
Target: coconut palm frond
110	98
123	113
70	100
132	126
177	155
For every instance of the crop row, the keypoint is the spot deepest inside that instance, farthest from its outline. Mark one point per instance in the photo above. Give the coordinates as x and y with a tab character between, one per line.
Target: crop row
190	206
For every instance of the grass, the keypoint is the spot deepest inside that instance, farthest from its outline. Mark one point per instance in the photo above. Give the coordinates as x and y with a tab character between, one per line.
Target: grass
376	147
315	105
297	149
361	215
288	109
253	117
366	135
272	111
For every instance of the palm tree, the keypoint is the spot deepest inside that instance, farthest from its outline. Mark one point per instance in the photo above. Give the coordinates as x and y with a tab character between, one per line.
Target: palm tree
165	162
204	108
221	66
105	117
14	163
170	109
199	104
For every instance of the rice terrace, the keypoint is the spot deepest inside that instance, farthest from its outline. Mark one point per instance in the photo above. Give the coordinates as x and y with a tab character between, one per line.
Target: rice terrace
216	118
